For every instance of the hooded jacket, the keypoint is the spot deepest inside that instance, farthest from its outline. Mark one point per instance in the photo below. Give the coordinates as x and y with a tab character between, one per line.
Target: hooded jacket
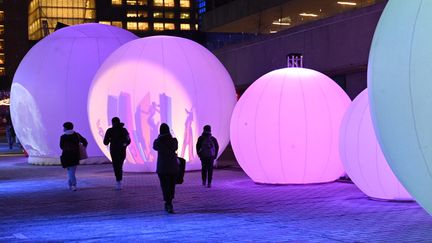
166	146
117	137
205	135
69	143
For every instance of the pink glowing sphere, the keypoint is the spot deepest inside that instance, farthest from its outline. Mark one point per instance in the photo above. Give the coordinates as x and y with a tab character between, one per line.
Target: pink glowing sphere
285	128
362	157
162	79
51	86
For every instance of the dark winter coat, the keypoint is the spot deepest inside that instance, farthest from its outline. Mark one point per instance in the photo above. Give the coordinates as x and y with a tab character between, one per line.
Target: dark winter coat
69	143
201	138
117	137
166	146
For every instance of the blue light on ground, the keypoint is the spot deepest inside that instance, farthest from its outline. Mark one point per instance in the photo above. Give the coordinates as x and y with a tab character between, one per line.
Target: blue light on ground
36	206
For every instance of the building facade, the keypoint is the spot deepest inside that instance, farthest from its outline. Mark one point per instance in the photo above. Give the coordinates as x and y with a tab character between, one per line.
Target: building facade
44	15
337	46
272	16
149	17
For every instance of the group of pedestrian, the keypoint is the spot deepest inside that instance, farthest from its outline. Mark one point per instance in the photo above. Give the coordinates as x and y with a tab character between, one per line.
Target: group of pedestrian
168	166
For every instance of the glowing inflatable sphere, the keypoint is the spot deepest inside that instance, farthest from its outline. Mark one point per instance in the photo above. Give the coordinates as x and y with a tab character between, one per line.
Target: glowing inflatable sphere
362	157
400	70
285	128
162	79
51	86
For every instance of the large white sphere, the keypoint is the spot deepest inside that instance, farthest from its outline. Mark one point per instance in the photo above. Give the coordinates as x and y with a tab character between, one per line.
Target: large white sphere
400	91
51	87
362	157
285	128
162	79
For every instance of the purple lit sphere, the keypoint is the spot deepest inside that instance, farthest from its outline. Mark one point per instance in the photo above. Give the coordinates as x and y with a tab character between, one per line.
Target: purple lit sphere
51	86
285	128
162	79
362	157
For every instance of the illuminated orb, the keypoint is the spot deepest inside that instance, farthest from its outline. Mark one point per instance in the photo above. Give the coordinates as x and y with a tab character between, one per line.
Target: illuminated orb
51	86
162	79
362	157
399	74
285	128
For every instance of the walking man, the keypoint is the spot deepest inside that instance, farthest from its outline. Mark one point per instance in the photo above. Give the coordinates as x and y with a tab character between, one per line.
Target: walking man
118	139
207	148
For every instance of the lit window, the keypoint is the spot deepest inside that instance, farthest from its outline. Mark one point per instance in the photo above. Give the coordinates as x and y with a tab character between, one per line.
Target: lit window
196	26
116	2
142	2
184	15
131	26
185	26
2	72
158	3
131	2
131	14
105	22
1	15
169	26
142	14
169	15
117	24
158	15
185	3
169	3
143	26
158	26
2	59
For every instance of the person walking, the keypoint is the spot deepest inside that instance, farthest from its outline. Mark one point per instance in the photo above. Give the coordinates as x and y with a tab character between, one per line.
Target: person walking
117	137
207	148
167	164
70	157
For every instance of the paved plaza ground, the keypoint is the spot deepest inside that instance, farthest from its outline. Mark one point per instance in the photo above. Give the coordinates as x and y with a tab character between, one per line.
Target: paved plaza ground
36	206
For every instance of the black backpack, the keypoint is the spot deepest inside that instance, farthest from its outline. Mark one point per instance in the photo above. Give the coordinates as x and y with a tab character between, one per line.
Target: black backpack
208	148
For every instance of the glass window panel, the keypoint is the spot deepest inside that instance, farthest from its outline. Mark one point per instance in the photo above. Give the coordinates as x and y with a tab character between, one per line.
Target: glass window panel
2	72
185	3
131	2
117	24
158	26
169	3
169	26
142	2
116	2
157	15
143	26
142	14
158	3
131	14
105	22
169	15
131	26
184	15
185	26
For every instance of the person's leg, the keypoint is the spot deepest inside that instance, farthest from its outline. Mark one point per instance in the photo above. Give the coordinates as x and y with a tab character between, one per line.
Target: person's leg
171	183
164	187
210	172
9	138
72	179
203	172
68	170
117	165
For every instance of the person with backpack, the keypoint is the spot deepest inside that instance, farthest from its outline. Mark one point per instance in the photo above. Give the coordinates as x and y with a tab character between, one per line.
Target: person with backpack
167	164
70	157
207	148
118	139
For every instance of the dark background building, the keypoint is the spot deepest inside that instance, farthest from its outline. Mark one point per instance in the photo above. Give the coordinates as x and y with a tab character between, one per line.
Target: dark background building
24	22
334	38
